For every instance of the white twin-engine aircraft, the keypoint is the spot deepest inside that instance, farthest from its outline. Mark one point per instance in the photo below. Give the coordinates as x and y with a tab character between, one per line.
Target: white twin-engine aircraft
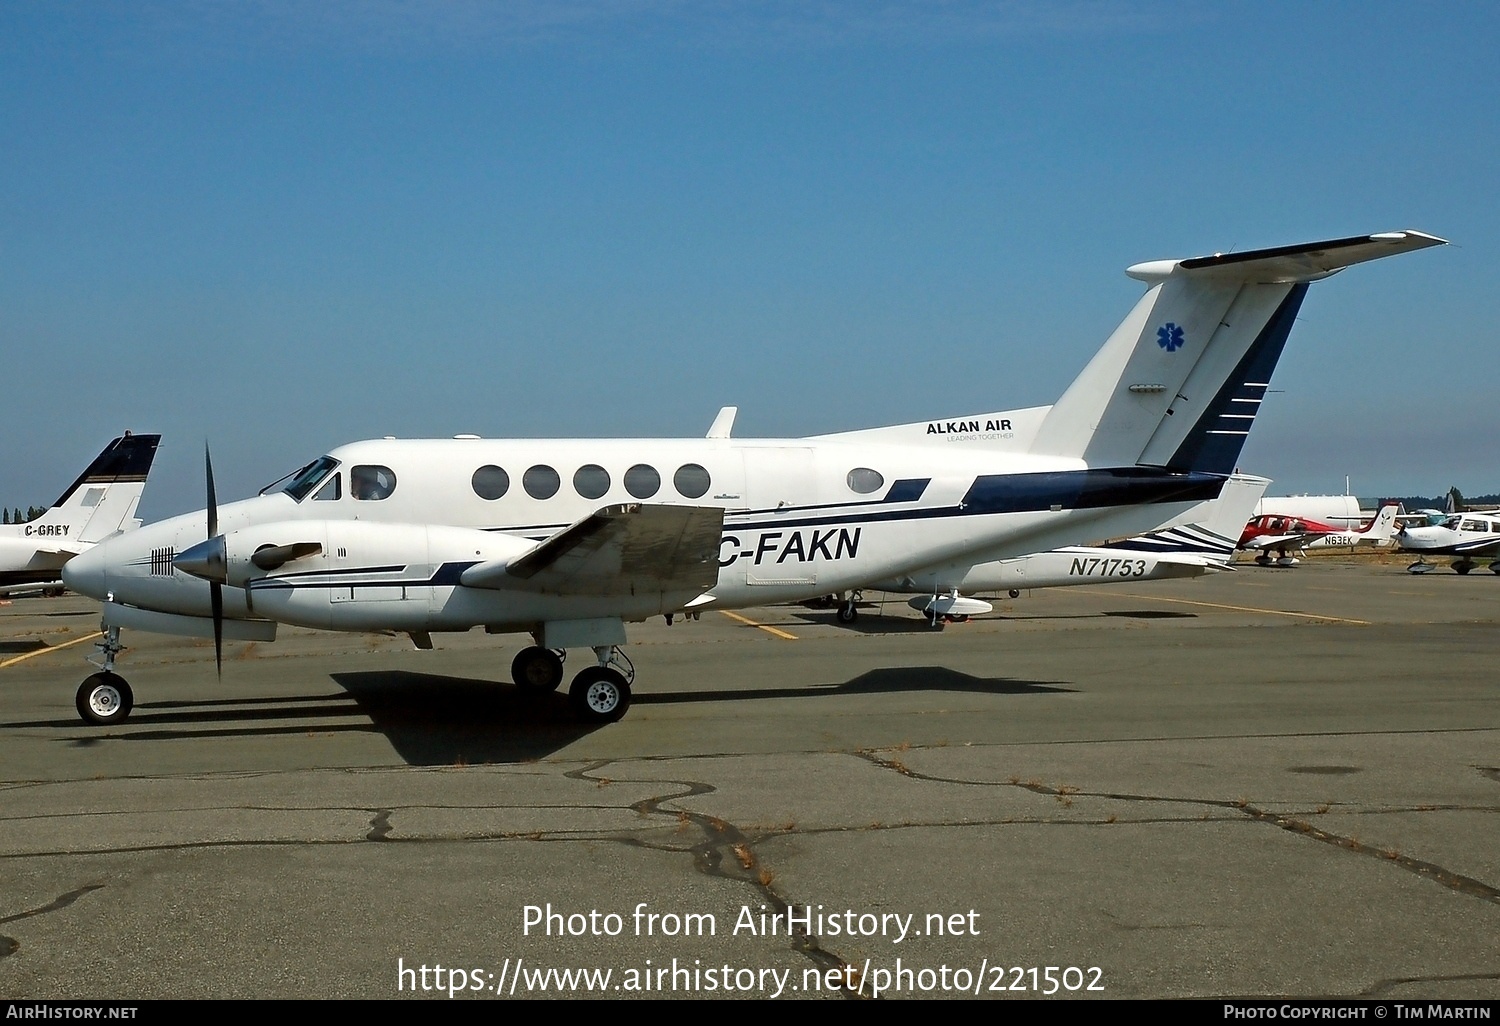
568	540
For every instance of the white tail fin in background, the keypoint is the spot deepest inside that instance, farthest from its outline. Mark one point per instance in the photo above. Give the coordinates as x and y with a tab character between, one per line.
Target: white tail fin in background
1381	525
1209	532
103	500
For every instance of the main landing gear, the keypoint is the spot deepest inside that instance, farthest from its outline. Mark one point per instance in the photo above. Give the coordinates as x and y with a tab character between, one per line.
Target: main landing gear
104	698
538	669
599	694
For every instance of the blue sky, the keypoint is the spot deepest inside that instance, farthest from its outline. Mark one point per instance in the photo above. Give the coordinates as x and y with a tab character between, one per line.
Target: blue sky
282	226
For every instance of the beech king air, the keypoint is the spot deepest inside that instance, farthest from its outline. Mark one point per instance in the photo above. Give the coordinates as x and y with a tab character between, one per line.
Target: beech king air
1203	545
423	536
100	503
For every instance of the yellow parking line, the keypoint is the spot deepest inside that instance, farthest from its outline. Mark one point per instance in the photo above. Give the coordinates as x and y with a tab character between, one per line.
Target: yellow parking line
1249	609
751	623
50	648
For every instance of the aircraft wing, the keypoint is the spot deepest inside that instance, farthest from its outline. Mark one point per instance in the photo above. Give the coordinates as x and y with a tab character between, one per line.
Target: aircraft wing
1277	541
630	548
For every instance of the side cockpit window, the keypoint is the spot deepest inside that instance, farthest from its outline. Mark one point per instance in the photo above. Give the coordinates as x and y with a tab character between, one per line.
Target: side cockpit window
330	492
370	483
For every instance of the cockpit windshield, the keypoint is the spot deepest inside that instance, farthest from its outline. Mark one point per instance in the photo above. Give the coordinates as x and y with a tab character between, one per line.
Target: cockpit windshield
305	480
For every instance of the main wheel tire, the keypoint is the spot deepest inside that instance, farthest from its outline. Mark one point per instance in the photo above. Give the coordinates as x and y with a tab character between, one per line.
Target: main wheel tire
104	699
600	694
536	669
1463	568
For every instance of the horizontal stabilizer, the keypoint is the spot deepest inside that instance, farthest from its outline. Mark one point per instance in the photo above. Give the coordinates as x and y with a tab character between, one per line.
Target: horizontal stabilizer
1290	264
632	548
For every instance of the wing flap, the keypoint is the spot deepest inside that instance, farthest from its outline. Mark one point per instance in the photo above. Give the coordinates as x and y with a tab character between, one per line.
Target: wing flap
629	549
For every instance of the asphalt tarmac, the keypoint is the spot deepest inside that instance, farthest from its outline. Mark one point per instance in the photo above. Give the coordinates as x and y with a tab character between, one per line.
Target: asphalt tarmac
1264	783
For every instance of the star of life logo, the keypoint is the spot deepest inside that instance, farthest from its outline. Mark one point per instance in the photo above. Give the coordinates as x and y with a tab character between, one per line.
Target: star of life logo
1169	336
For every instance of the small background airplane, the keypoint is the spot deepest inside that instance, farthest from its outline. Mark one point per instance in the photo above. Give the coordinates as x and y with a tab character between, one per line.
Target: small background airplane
1275	532
1467	537
99	504
1203	544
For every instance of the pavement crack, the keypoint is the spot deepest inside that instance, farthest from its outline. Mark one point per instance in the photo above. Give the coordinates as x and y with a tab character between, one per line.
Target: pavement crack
1428	870
1065	794
744	867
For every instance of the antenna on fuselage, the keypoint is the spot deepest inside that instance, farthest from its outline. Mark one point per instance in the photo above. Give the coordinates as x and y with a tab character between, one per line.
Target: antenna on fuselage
724	423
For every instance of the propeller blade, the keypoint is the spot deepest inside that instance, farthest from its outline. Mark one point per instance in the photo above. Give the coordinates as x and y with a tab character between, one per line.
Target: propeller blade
215	589
213	503
216	599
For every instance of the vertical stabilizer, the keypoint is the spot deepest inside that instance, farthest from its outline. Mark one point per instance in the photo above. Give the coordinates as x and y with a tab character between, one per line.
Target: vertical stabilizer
1179	382
104	497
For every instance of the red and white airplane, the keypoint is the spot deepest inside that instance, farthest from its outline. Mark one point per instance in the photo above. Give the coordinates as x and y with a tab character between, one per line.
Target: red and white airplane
1274	531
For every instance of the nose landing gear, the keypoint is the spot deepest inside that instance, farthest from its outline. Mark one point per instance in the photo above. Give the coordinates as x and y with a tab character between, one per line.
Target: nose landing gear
104	698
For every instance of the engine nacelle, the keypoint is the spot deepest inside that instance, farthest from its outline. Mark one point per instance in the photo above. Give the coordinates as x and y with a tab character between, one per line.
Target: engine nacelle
356	550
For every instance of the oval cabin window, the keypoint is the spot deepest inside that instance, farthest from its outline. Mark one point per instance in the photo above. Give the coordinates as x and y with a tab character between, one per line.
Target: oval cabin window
591	481
642	481
864	480
490	482
541	482
691	481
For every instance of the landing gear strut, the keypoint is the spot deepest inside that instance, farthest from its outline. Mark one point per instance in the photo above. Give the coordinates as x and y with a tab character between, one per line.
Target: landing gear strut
601	693
104	698
849	607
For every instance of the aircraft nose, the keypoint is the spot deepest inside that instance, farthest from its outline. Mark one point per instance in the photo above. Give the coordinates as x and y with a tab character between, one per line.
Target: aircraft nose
86	572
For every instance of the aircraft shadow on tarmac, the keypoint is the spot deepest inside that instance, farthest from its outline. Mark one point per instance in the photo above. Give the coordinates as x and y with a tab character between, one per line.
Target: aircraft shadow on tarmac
431	719
28	645
1150	614
879	623
437	720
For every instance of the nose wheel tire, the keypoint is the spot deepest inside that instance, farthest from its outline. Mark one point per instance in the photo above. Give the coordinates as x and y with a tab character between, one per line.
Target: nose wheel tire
600	694
536	669
104	699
